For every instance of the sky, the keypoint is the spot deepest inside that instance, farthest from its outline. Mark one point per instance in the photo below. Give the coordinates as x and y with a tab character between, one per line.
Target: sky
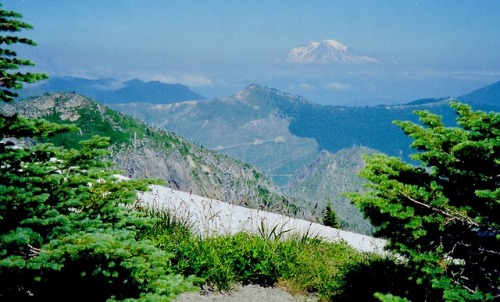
429	48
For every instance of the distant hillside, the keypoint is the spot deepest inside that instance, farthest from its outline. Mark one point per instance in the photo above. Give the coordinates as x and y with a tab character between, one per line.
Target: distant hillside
487	96
112	91
143	151
281	133
249	126
336	128
328	178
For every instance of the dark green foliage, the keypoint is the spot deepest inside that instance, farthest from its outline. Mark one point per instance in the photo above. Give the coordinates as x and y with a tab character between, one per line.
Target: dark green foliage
443	216
10	79
364	279
329	216
68	229
65	224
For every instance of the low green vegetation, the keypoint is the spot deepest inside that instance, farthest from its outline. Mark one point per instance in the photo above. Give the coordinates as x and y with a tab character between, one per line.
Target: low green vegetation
70	229
301	264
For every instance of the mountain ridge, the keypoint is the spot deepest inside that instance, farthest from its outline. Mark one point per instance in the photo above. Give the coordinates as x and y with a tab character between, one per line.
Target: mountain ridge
108	90
488	95
276	130
248	125
280	133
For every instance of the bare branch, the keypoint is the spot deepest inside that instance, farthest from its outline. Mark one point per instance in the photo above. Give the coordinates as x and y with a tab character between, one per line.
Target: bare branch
456	216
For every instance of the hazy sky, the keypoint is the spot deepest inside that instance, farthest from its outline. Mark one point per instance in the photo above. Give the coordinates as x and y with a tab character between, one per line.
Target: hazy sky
429	48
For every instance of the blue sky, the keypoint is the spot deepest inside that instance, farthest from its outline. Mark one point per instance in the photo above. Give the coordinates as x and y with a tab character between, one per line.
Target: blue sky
432	48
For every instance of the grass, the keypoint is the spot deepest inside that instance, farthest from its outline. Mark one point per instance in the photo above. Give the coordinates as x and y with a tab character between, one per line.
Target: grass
301	264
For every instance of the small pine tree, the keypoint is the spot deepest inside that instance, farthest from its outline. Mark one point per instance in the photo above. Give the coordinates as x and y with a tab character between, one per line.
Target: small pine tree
329	216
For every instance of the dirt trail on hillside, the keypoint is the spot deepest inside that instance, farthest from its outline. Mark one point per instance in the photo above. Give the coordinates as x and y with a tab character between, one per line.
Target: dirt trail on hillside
248	293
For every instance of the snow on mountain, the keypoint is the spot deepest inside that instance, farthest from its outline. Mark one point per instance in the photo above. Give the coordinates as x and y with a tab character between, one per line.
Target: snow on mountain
326	51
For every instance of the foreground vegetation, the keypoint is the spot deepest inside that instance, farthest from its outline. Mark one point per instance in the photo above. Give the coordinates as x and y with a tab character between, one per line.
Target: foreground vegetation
300	264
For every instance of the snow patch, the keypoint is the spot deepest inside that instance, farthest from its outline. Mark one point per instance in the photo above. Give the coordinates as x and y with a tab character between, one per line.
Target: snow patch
209	217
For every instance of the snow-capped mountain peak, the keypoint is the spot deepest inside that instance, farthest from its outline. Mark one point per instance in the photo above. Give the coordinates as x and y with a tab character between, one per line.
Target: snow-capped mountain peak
326	51
334	44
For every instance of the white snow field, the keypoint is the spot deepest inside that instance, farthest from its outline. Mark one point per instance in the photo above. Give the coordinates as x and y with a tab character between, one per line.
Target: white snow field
210	217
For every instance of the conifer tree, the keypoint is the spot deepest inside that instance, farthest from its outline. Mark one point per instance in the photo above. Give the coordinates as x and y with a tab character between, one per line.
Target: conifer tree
68	227
10	77
442	217
329	216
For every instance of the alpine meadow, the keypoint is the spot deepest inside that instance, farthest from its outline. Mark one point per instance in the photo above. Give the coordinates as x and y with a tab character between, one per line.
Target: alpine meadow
141	188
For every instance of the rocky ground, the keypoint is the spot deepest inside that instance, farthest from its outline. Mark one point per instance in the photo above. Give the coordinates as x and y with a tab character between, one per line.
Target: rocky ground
248	293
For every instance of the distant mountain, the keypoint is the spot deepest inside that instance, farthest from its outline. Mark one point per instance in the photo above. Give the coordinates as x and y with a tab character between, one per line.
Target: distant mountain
142	151
428	101
489	95
327	51
250	126
280	133
327	178
112	91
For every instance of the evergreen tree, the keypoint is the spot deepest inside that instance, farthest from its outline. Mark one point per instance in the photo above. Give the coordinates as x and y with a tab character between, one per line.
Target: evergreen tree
68	226
329	216
443	216
10	78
